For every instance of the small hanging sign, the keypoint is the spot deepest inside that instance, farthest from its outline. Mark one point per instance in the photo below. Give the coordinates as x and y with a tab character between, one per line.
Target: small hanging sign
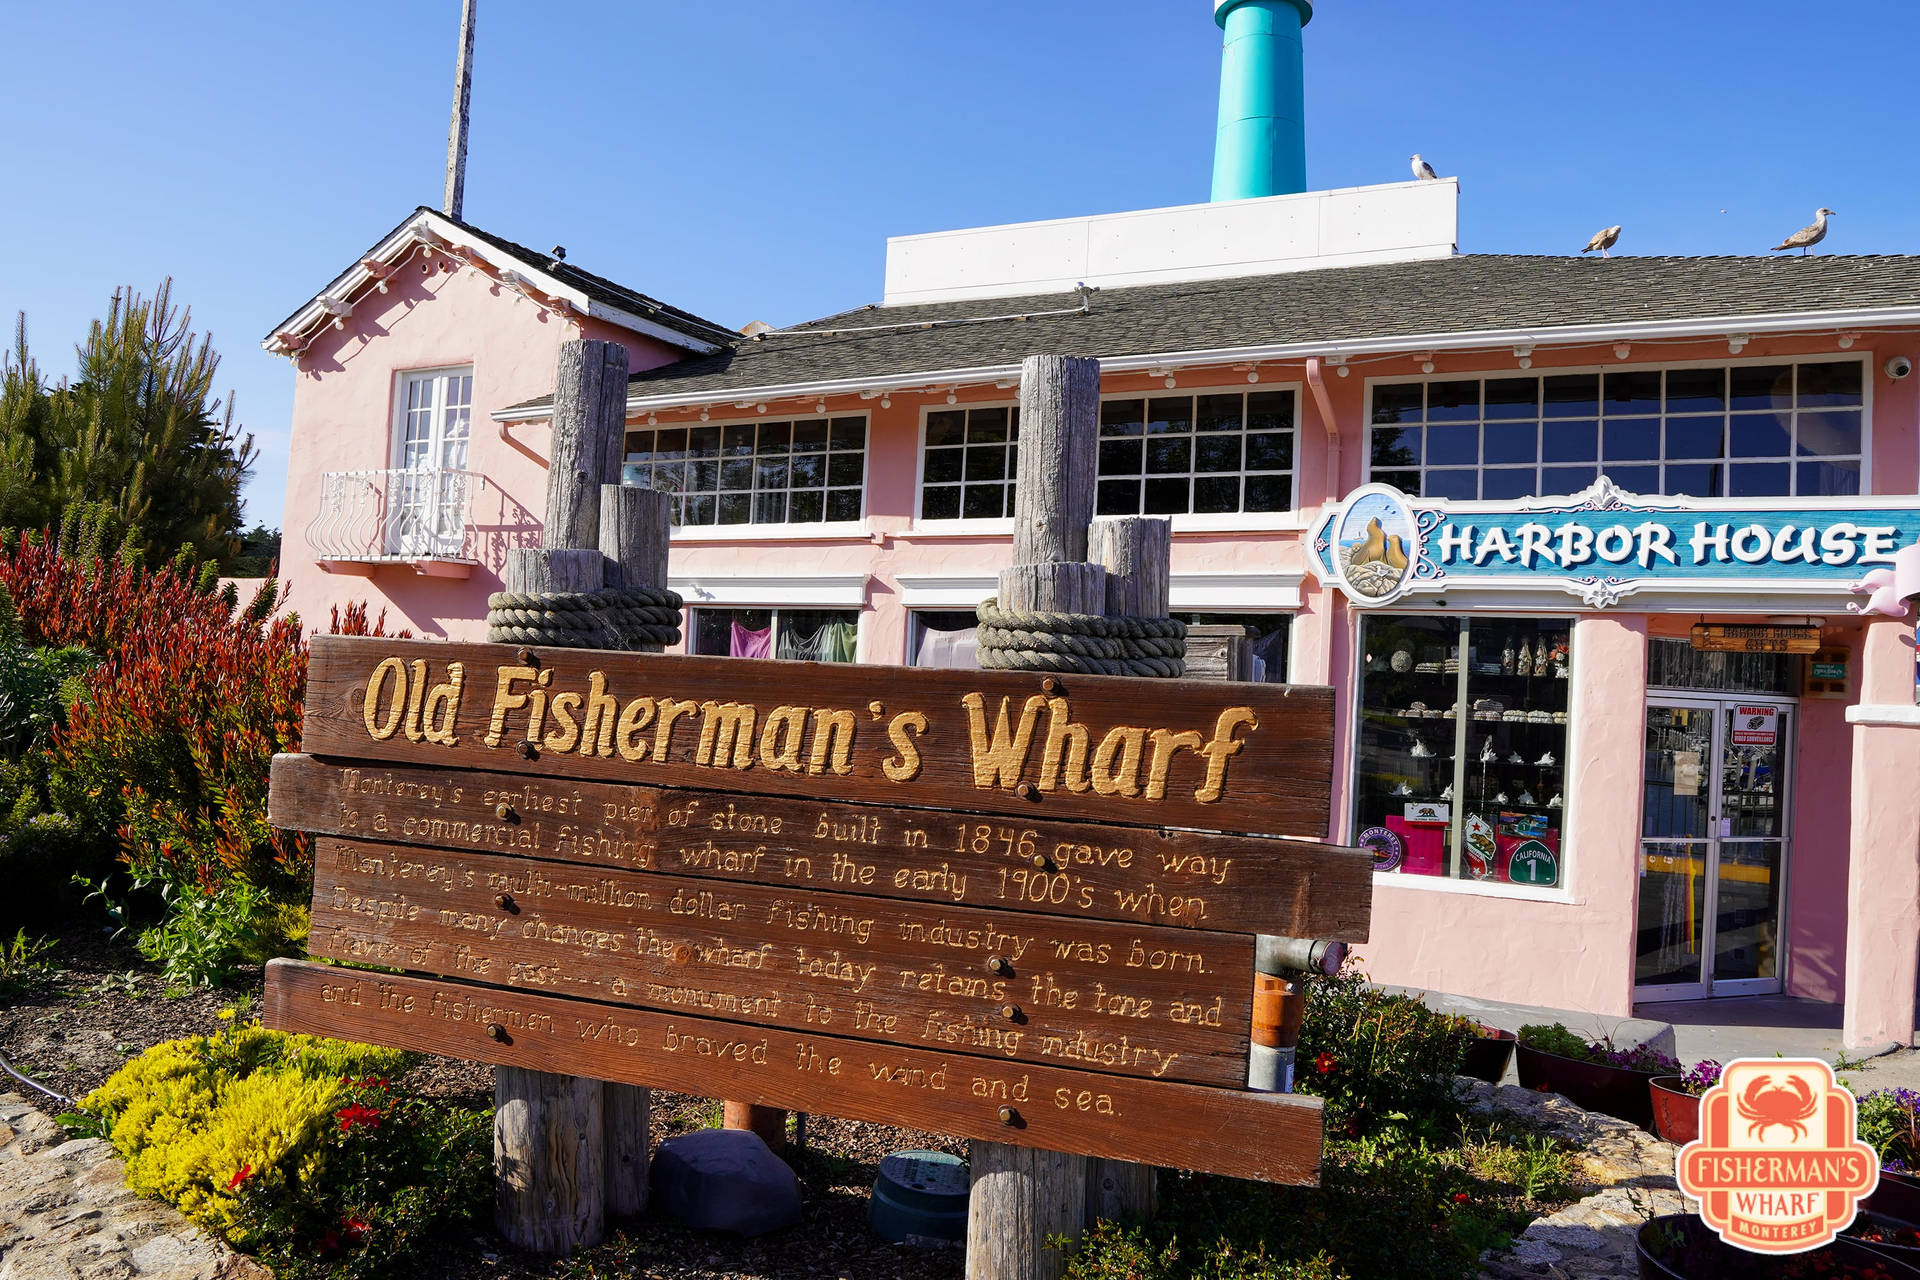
1720	638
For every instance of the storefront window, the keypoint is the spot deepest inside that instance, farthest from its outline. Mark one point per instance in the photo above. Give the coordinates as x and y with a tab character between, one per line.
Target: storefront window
1267	636
803	635
1462	746
1676	664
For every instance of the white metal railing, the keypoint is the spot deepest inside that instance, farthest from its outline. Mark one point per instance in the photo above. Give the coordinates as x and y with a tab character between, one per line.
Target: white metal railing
393	514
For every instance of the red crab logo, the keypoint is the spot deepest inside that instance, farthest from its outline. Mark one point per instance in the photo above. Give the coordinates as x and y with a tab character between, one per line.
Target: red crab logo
1778	1167
1791	1106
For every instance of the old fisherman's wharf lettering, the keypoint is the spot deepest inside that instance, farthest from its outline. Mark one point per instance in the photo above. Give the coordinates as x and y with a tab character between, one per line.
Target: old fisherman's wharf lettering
1180	752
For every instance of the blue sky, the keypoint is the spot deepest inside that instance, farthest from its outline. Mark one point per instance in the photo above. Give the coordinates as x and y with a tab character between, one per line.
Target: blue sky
748	160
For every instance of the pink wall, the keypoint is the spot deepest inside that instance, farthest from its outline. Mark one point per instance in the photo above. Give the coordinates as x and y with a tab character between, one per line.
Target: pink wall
343	419
1883	880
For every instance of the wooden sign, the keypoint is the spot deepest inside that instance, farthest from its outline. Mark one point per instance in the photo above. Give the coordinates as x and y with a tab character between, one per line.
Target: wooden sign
1741	638
1012	907
1179	753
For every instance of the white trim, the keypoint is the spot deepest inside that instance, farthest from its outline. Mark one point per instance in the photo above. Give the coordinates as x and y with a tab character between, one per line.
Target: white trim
1393	344
1886	715
825	531
946	591
1187	592
431	229
741	591
1476	888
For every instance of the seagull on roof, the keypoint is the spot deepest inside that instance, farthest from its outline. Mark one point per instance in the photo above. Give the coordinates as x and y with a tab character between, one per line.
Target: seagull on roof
1422	170
1807	237
1603	240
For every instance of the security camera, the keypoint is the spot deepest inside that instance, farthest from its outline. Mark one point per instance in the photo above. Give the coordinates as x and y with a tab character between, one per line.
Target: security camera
1898	367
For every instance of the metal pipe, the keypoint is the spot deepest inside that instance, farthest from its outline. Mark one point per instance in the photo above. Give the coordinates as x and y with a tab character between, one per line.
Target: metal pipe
1260	148
1277	955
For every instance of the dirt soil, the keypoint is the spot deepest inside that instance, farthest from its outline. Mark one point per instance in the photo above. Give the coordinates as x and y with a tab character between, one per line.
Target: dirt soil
100	1004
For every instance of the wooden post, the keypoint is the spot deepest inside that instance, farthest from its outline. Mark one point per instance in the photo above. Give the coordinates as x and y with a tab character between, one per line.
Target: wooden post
770	1123
549	1160
1137	554
1021	1196
552	1178
627	1111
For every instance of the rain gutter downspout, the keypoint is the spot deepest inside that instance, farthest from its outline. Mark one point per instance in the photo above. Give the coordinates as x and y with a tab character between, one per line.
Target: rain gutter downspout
1324	403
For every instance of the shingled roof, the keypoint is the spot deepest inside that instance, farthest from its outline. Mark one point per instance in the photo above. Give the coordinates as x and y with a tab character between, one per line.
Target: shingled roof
1492	297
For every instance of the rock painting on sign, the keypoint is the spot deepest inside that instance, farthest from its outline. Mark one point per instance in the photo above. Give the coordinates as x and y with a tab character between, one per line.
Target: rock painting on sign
1376	541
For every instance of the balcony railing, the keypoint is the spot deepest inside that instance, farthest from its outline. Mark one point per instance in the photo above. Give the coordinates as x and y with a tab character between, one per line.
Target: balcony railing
394	516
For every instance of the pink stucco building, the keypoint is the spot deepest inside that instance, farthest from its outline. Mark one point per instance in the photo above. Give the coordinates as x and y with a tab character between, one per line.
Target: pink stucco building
1570	803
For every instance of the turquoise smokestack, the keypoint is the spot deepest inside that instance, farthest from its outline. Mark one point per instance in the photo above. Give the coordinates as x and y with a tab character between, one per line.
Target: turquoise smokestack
1261	148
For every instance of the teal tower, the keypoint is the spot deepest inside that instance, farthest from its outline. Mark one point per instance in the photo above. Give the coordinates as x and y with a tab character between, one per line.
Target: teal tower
1261	147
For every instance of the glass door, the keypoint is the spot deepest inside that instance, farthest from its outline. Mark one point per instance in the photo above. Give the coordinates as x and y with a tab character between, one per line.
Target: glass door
1713	847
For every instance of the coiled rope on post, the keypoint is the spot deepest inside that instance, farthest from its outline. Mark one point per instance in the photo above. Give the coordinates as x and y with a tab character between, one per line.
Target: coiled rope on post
1080	643
616	618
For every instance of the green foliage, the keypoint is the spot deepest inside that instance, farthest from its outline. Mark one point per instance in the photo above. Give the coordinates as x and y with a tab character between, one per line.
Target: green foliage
1556	1039
1889	1122
206	936
1382	1062
21	961
37	686
134	448
1116	1251
259	554
297	1148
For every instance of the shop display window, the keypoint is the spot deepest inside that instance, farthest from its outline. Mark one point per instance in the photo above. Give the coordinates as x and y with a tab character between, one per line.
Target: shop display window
801	635
1460	763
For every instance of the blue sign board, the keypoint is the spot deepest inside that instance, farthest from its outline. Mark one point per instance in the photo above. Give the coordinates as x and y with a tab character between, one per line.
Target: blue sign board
1603	544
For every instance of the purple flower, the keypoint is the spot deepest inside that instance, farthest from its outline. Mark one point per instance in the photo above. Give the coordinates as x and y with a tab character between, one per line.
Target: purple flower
1701	1077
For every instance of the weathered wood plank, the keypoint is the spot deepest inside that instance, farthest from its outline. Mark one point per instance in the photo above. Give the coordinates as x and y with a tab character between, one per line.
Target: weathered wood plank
589	439
1272	1137
1244	758
1019	1199
1137	1000
1186	879
1136	552
549	1159
1055	459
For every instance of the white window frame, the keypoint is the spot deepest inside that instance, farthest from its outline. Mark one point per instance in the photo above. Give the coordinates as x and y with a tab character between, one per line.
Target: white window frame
1189	522
437	488
822	530
1867	361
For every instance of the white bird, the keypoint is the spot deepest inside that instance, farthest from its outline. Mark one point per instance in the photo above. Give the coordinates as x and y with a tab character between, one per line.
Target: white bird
1603	240
1422	170
1807	237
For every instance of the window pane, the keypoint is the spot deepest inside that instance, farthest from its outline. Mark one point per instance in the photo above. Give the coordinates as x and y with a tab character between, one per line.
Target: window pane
1757	435
1164	456
1695	437
1269	410
1170	415
809	471
1567	479
948	426
1453	445
703	442
703	477
1828	479
806	506
1634	392
987	426
1834	432
770	508
1696	390
984	501
1694	479
1635	479
671	444
1759	480
1121	417
843	504
1513	398
776	437
1571	396
1761	386
1407	482
1270	451
1397	402
1120	457
701	508
1510	442
1269	493
1829	383
987	462
849	433
736	508
638	475
770	473
1166	497
1216	494
736	473
1460	485
1498	483
1630	440
1396	446
670	476
737	441
1453	401
1219	413
940	504
1118	498
810	436
943	465
846	468
1217	453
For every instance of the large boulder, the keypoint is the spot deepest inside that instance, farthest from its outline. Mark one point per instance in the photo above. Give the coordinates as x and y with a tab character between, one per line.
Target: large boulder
725	1180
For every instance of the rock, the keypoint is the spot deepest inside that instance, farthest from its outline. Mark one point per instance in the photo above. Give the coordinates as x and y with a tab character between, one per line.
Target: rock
725	1180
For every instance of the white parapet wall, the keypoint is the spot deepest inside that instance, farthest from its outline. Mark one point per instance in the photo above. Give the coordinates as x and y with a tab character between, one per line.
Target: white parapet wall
1398	222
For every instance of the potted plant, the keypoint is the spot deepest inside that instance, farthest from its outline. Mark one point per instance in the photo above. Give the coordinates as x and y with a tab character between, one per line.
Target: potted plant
1592	1075
1678	1246
1488	1051
1676	1101
1889	1121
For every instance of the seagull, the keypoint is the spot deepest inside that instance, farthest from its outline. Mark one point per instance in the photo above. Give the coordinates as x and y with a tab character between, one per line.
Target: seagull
1603	240
1807	237
1422	170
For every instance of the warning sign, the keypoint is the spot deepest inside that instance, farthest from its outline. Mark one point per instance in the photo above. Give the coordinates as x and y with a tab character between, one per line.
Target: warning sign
1756	726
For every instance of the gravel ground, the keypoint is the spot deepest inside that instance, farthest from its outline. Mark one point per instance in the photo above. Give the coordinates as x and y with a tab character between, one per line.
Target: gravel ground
100	1004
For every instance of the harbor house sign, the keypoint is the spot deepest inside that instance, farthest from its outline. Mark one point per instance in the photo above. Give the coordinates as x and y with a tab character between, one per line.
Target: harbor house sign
1604	544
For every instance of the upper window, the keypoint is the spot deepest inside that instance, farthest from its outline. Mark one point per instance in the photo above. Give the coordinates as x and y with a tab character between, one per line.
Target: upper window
808	471
1207	454
436	417
804	635
426	496
1749	431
